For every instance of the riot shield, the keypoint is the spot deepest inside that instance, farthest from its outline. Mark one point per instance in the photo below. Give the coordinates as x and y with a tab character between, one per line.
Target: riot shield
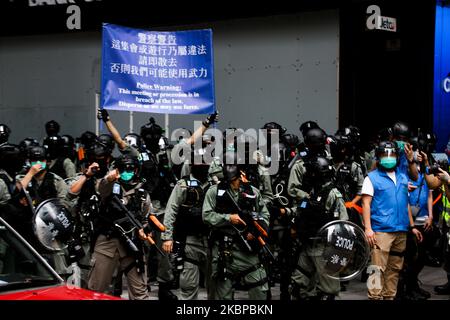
53	224
341	250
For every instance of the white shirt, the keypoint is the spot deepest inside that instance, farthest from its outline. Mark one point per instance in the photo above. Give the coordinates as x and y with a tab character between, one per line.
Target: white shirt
367	187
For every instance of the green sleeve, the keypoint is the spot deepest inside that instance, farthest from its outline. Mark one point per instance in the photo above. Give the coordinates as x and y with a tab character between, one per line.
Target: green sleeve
265	186
69	168
61	188
176	198
262	208
358	177
209	215
295	181
4	193
336	200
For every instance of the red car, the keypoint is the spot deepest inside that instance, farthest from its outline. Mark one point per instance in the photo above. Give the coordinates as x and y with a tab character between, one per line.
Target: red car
25	275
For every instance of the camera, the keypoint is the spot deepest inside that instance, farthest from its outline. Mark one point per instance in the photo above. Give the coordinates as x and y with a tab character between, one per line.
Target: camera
434	168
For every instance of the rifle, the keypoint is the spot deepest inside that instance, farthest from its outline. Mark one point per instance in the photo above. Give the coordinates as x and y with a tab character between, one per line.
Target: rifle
253	228
136	223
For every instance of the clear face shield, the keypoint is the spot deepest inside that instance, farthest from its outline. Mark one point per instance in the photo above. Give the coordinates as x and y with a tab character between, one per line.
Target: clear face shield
388	159
389	152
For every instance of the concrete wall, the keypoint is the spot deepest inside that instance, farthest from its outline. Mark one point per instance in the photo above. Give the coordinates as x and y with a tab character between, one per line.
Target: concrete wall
281	68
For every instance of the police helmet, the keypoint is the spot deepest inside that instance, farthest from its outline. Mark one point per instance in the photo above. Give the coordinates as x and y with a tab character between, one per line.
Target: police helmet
11	158
315	138
98	150
68	140
384	134
52	128
26	144
37	153
320	169
340	146
151	132
306	126
400	130
5	131
88	139
133	140
54	145
269	126
127	162
107	140
290	140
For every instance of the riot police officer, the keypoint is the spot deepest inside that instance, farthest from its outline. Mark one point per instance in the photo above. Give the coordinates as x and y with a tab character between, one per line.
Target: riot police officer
10	164
323	204
349	176
43	185
58	163
82	191
234	260
52	128
5	131
186	233
315	141
117	243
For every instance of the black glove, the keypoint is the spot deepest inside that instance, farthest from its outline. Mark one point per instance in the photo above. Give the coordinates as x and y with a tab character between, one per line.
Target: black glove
211	119
102	114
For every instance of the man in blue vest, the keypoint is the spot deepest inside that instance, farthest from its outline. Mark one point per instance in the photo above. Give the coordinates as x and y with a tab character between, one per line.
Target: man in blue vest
387	218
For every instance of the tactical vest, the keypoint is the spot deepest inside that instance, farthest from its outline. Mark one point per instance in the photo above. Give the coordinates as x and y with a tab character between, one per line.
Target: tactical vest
313	215
44	191
189	220
110	214
149	169
225	205
344	181
58	168
445	208
389	207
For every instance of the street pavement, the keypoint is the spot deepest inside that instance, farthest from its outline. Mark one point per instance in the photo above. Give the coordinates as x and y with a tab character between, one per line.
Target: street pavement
355	289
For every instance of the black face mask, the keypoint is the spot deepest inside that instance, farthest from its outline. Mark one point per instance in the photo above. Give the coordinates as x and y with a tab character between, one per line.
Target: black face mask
200	172
339	156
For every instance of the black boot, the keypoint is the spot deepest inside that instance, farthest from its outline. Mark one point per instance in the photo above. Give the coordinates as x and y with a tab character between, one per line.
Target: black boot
442	289
164	292
422	292
445	288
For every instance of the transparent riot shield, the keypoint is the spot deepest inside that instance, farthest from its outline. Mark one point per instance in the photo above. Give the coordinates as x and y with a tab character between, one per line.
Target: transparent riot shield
341	250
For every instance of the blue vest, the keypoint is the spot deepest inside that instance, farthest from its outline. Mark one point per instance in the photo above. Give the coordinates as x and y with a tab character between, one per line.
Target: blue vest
414	195
389	208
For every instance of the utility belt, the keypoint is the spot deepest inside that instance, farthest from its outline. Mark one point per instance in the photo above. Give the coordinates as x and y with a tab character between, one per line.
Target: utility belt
227	242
